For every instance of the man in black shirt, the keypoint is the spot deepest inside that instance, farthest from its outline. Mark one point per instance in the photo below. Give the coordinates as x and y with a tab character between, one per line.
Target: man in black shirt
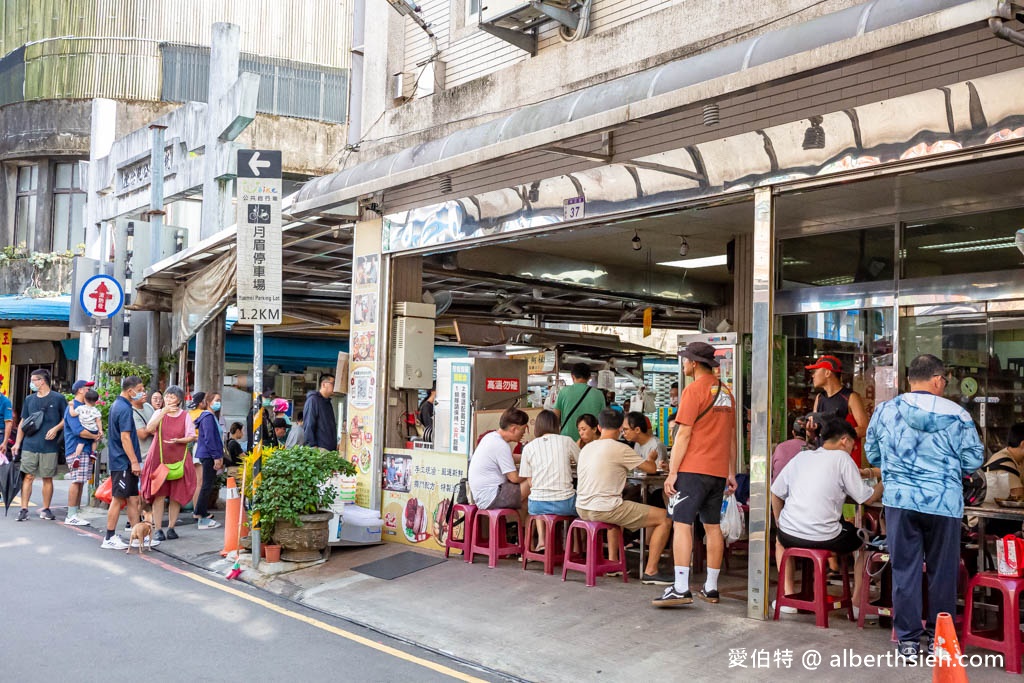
38	449
318	420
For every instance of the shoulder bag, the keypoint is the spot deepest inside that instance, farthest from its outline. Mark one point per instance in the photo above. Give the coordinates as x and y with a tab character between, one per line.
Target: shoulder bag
710	405
175	470
572	412
33	423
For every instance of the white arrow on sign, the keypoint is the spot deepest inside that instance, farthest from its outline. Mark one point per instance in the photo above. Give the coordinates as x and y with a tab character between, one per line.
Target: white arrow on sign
255	164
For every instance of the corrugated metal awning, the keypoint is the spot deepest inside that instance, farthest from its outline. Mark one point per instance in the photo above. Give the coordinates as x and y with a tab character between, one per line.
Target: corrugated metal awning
14	307
646	93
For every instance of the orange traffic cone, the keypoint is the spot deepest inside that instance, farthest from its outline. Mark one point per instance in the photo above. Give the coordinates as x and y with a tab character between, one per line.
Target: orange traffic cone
233	511
947	668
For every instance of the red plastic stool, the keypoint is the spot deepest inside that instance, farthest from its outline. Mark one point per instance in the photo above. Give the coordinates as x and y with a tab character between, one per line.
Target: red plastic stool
1006	638
468	513
876	566
593	562
554	541
495	544
813	595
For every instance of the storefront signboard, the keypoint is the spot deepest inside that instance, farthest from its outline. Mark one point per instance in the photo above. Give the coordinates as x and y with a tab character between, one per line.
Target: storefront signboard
418	487
6	340
461	419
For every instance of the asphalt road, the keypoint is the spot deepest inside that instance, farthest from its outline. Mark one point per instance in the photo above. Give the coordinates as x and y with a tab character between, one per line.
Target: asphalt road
74	612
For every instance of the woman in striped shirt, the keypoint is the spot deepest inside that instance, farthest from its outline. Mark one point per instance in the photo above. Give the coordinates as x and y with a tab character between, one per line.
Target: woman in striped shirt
547	463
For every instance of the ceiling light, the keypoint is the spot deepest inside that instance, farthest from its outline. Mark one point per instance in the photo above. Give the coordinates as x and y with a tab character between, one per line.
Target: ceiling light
814	136
980	247
968	243
702	262
637	245
833	281
684	246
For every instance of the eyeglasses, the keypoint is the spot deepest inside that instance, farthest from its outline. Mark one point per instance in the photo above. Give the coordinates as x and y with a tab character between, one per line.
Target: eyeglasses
945	380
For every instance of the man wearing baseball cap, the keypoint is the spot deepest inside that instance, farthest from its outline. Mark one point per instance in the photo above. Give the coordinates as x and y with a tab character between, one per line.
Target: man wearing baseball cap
79	468
835	399
704	460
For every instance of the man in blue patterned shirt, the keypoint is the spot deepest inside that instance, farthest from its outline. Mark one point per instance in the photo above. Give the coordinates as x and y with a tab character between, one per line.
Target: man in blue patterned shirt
924	445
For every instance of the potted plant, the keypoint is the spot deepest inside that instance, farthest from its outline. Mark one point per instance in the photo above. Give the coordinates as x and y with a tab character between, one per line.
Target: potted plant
294	497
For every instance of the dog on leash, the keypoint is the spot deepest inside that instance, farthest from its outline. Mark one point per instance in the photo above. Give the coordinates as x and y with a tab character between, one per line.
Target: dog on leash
143	531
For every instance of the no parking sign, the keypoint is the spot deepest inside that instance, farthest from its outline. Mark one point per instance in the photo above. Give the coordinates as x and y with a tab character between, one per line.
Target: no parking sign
102	296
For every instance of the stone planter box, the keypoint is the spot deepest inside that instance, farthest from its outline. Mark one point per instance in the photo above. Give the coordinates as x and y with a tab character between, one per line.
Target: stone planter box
303	543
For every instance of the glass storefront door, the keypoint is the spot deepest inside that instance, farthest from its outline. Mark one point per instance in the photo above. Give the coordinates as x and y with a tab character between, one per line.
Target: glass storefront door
984	357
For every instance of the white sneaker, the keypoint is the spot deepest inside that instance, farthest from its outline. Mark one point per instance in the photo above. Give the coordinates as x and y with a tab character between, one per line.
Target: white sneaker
115	542
76	521
785	609
149	542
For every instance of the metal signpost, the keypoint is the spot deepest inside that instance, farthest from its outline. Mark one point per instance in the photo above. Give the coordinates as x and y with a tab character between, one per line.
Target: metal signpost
101	297
258	275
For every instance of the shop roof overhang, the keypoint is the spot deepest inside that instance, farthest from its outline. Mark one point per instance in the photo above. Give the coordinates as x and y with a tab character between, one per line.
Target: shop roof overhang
775	55
499	337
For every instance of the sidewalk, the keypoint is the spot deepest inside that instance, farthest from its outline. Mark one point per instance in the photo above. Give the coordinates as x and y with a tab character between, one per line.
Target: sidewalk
536	627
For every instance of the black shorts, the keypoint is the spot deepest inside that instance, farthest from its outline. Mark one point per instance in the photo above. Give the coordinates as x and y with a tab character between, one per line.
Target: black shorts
846	542
699	494
124	484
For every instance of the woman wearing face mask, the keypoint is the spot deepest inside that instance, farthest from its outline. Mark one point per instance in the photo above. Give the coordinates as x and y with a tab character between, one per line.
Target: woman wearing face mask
172	432
210	454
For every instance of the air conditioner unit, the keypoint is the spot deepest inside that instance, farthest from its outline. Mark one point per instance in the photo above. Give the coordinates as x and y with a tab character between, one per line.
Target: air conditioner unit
516	14
412	352
414	309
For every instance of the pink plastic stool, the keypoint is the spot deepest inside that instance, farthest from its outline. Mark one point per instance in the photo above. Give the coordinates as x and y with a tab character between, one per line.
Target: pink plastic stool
468	513
593	562
554	541
495	545
1006	638
813	595
876	566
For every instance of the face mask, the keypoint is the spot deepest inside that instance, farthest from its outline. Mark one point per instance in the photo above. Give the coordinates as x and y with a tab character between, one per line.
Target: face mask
139	396
215	406
266	404
33	387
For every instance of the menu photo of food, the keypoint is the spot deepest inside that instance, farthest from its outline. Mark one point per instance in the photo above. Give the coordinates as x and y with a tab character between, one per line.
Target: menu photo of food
415	521
363	346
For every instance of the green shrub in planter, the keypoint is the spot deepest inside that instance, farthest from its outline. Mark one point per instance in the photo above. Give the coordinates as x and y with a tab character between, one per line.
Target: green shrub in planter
295	483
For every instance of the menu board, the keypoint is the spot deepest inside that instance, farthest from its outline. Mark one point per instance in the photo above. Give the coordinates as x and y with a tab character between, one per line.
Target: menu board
460	410
362	380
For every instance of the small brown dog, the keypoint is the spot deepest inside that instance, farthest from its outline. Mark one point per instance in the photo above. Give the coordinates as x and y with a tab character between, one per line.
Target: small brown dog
142	530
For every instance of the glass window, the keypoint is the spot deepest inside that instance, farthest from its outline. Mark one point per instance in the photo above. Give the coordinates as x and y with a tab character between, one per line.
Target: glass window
837	258
24	218
68	205
28	178
962	244
472	10
860	338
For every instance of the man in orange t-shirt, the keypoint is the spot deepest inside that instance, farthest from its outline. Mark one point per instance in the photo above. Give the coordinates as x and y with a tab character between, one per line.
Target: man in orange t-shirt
704	457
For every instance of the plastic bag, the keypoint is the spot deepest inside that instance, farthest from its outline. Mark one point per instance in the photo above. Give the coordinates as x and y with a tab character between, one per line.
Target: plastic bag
732	519
105	491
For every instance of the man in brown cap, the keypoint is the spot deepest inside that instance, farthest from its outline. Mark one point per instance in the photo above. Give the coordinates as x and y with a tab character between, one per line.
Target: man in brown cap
835	399
704	458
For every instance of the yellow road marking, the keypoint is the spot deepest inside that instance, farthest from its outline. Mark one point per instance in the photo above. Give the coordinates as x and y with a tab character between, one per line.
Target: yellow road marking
336	631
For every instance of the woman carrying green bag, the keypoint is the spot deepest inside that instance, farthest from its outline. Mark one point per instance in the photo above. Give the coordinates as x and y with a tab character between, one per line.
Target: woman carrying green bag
167	472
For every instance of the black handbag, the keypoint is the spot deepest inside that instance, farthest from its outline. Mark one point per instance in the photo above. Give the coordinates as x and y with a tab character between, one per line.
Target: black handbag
33	423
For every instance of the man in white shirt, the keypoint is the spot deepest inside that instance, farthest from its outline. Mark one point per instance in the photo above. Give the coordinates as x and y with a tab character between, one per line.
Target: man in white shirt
493	477
808	497
603	466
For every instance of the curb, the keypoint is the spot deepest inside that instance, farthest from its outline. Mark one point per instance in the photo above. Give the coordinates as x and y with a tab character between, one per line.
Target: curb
503	675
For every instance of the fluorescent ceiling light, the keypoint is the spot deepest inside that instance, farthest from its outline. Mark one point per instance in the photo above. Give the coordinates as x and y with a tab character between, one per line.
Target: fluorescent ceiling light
980	247
704	262
970	243
833	281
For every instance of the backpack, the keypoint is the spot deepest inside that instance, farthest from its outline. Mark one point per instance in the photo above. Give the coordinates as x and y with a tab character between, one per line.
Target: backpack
975	488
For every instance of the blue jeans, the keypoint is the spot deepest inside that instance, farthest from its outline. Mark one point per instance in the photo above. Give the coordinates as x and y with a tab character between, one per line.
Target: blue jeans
566	508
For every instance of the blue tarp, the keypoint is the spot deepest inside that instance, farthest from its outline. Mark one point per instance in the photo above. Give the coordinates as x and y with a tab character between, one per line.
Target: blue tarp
13	307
